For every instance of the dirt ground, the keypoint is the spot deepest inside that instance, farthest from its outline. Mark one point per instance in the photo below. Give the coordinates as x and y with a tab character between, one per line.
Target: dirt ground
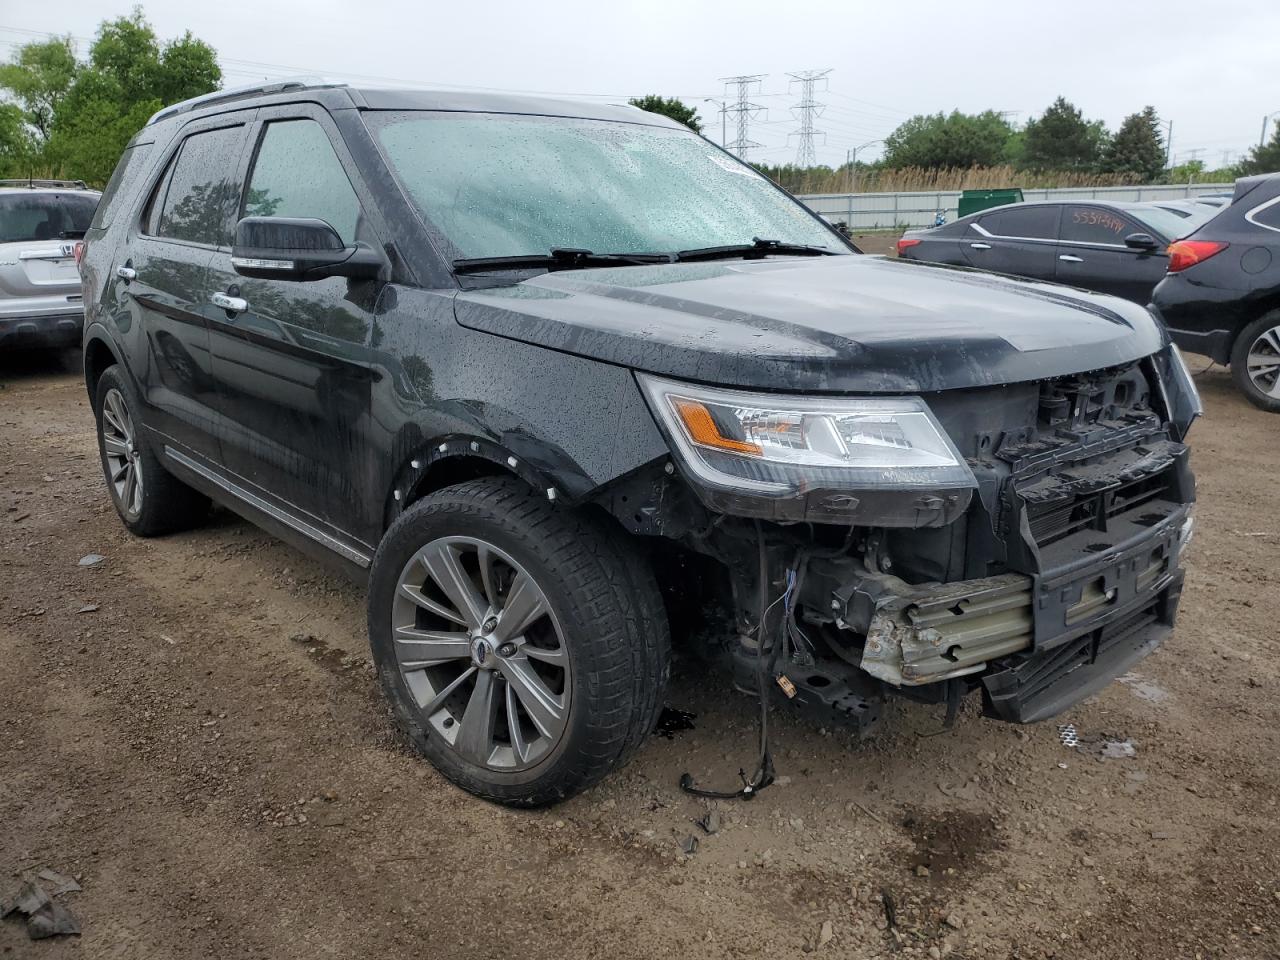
192	729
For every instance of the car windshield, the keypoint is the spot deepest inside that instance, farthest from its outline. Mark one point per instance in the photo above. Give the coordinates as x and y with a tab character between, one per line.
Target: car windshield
27	217
1168	223
499	185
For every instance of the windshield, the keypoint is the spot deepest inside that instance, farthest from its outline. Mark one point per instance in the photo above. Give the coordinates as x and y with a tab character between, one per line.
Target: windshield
1168	223
498	185
26	217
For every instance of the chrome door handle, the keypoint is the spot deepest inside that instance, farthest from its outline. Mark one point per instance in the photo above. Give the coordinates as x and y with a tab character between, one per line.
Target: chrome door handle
229	303
126	273
980	246
1068	258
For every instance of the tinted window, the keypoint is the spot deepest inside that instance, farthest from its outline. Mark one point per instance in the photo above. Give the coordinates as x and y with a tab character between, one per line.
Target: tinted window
202	188
1038	222
1166	223
297	174
1097	225
1268	216
43	216
127	171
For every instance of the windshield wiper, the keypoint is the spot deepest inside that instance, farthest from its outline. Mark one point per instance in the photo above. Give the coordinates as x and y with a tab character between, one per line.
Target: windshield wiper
758	247
559	258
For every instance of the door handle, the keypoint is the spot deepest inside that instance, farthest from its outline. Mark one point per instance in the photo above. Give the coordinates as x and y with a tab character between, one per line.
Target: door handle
980	246
229	303
126	273
1068	258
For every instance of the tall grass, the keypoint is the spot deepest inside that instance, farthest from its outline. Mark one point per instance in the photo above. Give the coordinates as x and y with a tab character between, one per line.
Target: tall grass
908	179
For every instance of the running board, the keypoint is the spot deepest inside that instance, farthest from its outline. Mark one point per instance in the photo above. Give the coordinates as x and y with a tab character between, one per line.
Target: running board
257	503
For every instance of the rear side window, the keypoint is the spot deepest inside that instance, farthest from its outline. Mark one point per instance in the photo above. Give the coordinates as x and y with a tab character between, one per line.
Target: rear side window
297	174
31	217
1096	225
1267	215
1034	223
126	174
202	188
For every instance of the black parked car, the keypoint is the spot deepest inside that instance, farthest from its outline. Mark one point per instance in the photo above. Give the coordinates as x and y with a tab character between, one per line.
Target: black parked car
551	375
1222	295
1116	248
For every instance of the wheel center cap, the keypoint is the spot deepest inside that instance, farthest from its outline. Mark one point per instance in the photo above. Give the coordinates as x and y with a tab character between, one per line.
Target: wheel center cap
481	653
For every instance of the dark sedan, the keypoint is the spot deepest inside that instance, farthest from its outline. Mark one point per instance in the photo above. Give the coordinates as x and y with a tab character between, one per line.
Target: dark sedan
1222	294
1116	248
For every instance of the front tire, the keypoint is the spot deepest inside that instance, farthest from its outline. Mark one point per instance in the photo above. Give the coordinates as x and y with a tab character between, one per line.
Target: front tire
523	647
149	499
1255	362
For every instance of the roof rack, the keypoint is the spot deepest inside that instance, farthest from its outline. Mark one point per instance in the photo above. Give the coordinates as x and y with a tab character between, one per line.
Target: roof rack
239	93
34	182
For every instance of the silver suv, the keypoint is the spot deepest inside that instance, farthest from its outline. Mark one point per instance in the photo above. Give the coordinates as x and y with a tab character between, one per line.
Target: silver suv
41	223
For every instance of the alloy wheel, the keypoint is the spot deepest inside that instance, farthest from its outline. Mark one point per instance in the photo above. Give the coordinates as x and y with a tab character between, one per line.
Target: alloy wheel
482	654
1264	362
119	442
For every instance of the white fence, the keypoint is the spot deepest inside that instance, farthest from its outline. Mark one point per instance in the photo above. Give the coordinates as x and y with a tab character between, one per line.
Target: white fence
871	211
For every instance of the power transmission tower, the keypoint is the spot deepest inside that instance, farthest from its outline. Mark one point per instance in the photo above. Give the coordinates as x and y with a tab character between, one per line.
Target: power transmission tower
745	111
805	111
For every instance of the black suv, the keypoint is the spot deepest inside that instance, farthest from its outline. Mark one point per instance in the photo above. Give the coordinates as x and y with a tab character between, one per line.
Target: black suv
552	375
1222	294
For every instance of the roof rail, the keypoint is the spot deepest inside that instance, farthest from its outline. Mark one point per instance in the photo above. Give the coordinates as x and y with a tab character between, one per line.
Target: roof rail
239	93
34	182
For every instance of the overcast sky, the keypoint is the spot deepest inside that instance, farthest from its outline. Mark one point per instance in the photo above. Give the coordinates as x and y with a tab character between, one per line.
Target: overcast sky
1210	68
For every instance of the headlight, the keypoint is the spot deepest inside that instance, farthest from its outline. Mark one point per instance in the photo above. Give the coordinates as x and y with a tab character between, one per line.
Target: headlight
780	447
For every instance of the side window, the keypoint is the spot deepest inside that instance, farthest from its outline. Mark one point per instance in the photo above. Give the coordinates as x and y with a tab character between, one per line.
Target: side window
297	174
126	174
1096	225
1039	222
202	188
1267	215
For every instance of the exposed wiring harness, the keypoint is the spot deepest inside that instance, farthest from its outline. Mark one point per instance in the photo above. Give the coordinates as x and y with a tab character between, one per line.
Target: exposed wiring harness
763	775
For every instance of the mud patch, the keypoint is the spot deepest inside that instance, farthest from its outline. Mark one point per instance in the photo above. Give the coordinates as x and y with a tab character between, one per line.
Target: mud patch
334	659
950	845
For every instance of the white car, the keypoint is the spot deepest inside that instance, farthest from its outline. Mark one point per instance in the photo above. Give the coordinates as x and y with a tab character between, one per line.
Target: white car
41	222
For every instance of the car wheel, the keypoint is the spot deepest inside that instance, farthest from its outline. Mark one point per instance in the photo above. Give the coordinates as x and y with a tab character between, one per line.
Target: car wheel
1255	362
524	647
148	498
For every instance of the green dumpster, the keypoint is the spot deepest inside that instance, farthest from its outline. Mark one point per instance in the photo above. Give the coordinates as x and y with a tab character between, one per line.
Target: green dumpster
971	201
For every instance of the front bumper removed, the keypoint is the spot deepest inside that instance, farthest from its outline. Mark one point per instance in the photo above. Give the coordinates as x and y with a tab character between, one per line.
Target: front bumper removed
1037	643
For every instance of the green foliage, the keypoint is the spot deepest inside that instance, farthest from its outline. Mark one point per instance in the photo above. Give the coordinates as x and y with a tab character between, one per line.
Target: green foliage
17	151
80	116
1061	139
39	78
1137	148
1262	159
671	107
957	140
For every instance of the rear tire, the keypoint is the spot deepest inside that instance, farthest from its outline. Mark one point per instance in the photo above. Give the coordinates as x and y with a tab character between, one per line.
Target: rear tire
149	499
1255	362
582	670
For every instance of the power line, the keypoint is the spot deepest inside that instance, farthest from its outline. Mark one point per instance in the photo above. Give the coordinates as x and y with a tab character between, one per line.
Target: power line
805	111
746	111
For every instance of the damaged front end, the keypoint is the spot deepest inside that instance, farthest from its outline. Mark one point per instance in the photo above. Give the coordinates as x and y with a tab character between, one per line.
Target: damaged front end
1046	574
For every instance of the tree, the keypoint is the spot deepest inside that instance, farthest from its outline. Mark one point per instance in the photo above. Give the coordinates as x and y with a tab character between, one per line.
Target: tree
671	107
39	78
81	115
1264	158
957	140
1137	148
17	151
1061	139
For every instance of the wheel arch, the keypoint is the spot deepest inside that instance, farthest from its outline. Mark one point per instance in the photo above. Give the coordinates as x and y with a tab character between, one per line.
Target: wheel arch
99	354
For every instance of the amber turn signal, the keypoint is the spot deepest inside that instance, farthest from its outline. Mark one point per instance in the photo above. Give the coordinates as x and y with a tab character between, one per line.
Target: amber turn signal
702	428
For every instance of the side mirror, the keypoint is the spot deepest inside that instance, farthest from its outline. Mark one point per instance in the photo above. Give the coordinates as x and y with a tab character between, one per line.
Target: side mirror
297	248
1141	241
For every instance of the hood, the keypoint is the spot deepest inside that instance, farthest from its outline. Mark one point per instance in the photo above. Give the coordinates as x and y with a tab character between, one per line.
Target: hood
842	324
